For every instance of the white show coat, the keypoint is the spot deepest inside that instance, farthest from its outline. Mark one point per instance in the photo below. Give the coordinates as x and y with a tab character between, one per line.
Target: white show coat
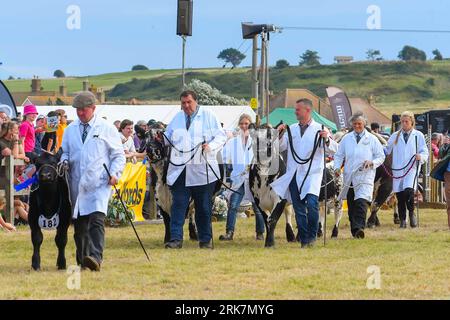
353	155
204	127
89	188
303	146
402	152
240	156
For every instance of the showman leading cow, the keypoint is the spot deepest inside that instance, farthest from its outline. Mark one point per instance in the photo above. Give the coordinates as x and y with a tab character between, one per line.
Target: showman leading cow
50	207
158	153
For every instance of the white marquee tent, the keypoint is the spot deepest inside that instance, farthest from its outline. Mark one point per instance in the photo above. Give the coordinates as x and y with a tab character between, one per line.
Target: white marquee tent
228	115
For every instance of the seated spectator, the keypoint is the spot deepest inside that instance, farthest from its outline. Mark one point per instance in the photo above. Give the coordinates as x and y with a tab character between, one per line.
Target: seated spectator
3	224
9	138
21	209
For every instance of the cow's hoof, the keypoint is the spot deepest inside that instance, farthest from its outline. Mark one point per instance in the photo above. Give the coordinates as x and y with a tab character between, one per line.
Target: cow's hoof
290	236
377	222
396	219
36	268
370	225
319	234
61	266
335	232
193	233
298	237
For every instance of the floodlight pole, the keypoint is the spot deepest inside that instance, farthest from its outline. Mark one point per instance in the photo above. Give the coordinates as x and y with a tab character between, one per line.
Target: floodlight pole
262	83
255	94
183	75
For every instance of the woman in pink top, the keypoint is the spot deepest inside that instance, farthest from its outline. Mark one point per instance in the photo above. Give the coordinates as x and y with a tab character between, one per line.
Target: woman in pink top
26	131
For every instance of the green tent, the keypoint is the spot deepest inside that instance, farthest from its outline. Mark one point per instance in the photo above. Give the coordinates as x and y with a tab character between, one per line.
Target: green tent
287	115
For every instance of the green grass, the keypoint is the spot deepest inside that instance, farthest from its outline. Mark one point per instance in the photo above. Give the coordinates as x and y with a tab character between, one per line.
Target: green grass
414	264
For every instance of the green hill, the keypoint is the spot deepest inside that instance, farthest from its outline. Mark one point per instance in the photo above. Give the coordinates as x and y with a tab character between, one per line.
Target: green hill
394	85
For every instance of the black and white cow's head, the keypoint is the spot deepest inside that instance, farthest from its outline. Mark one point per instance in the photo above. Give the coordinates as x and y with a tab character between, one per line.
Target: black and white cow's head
154	145
47	167
265	145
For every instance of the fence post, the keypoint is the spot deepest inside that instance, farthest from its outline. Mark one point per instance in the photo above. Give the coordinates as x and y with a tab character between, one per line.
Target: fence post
9	188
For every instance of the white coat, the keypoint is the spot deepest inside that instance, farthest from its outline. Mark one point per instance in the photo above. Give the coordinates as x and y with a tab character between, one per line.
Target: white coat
303	146
204	127
89	183
240	156
402	153
353	155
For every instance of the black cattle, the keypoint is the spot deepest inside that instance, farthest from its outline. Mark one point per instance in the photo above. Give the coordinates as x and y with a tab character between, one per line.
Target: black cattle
268	165
50	207
158	154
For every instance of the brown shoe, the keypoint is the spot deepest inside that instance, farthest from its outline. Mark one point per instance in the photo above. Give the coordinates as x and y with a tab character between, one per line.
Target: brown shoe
91	264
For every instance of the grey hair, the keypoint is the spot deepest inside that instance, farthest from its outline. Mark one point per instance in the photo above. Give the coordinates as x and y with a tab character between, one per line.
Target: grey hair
435	136
358	116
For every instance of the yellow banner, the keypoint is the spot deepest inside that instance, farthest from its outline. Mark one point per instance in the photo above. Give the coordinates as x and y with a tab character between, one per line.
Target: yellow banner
132	186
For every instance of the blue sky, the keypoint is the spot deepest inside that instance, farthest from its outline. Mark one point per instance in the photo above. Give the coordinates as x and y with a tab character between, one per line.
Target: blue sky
115	34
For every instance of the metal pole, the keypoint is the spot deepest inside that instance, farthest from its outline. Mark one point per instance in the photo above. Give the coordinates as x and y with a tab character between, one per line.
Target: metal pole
262	71
267	78
183	63
255	68
325	191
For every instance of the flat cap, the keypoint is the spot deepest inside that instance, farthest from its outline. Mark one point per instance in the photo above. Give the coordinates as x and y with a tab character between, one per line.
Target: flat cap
84	99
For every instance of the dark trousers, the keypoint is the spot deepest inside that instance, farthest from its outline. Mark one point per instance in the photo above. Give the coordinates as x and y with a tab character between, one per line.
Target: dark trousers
181	196
405	200
306	213
90	236
357	211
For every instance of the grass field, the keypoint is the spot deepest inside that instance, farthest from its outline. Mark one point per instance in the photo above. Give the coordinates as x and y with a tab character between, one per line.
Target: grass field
413	263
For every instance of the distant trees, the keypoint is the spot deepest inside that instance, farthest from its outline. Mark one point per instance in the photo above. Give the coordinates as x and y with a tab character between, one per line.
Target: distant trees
139	67
281	64
11	78
374	55
437	55
309	58
59	74
231	55
409	53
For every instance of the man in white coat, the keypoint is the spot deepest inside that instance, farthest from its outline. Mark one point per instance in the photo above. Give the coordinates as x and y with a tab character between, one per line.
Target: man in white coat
195	134
361	153
302	181
88	143
405	155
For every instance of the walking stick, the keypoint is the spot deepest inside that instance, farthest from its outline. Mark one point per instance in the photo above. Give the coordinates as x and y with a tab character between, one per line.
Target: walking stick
417	188
127	213
325	192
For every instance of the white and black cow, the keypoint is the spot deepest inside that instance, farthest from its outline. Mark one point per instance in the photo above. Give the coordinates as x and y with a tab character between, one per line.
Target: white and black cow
268	165
50	207
158	154
334	187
